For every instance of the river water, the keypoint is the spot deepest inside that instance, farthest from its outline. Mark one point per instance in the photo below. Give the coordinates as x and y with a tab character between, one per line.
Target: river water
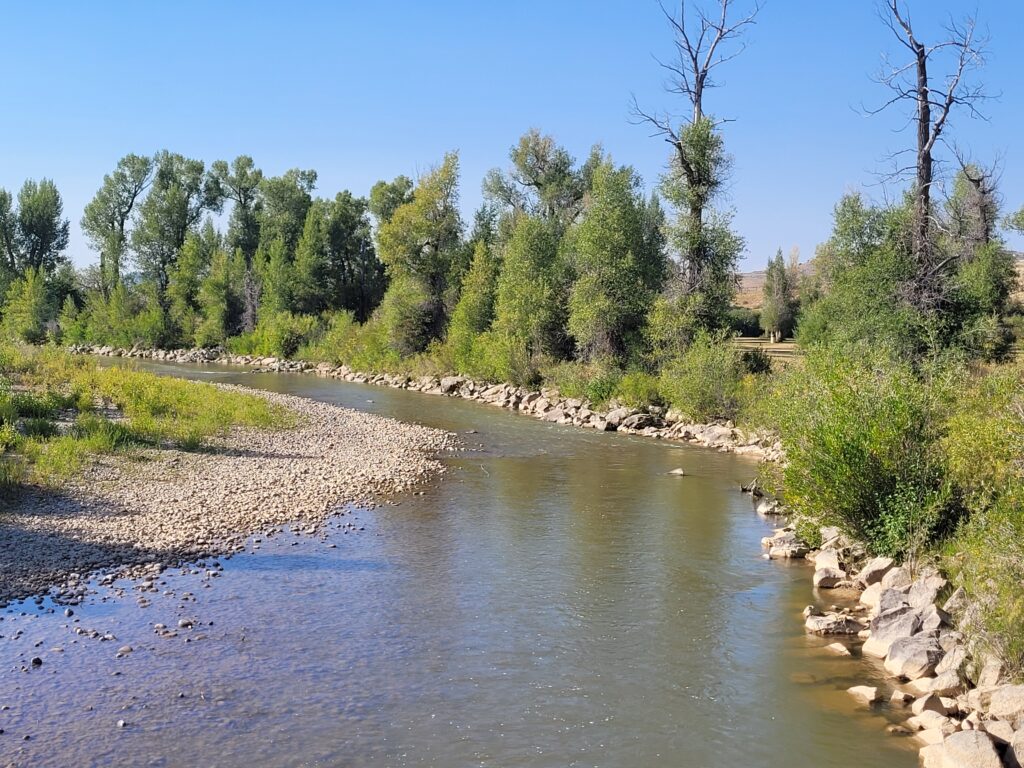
556	599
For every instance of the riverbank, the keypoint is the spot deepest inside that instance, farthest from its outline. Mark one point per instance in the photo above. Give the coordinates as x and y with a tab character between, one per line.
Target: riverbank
953	699
545	404
166	505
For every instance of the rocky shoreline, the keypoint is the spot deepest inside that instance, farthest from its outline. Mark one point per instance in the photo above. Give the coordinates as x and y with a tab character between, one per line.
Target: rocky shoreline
167	506
545	404
958	703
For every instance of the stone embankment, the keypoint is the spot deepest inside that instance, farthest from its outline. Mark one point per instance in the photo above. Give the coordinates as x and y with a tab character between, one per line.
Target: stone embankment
168	506
957	704
545	404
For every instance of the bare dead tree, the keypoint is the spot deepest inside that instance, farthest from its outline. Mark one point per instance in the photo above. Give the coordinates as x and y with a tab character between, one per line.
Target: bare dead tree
703	42
912	82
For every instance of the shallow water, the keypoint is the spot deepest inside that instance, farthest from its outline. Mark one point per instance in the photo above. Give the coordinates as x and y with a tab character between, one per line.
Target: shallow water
556	599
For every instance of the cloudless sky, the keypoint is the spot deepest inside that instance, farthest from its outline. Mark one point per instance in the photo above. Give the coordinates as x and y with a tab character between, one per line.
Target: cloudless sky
361	91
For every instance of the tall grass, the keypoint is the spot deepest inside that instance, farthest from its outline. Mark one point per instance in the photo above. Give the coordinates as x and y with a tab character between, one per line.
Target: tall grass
113	409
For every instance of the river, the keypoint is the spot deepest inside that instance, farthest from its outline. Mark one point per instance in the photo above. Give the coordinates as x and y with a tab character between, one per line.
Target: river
555	599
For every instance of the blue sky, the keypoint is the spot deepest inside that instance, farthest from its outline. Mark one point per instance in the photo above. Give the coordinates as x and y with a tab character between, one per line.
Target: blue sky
362	91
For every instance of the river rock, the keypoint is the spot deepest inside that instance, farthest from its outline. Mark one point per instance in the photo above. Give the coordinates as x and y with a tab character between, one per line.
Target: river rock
832	624
828	578
873	571
969	749
868	694
1007	704
931	703
924	592
913	657
897	577
890	626
957	602
870	596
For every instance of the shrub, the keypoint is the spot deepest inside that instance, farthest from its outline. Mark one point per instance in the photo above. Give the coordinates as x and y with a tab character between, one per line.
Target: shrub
706	381
862	449
638	389
743	321
596	382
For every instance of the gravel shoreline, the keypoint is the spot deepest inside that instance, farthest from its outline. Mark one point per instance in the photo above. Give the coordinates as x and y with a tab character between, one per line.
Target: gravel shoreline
166	506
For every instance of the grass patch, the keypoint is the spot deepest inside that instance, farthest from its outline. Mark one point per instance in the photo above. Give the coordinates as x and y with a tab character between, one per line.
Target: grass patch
137	409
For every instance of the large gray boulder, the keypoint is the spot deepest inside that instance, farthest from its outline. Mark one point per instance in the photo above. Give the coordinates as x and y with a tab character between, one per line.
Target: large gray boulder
828	578
925	592
969	749
450	384
616	416
913	657
832	624
874	570
888	627
897	577
1007	704
889	599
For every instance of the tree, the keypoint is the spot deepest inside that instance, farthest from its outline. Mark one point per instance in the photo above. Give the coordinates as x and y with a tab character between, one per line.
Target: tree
529	310
422	237
286	201
356	279
26	309
705	281
1014	221
619	270
186	279
179	196
777	309
219	301
542	181
241	184
35	234
276	278
310	269
106	216
474	312
387	196
932	107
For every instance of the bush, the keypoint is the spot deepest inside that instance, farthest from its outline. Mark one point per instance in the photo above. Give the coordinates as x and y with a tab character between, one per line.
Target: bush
744	322
862	450
596	382
638	389
278	334
706	381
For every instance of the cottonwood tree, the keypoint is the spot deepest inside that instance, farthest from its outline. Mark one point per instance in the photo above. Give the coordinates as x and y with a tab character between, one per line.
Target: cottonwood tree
106	216
241	184
179	196
707	247
34	234
932	99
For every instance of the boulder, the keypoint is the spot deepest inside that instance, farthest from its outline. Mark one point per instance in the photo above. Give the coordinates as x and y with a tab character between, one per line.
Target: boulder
869	597
867	694
826	558
1014	757
913	657
930	703
838	648
969	749
1007	704
957	602
784	544
925	592
946	683
874	570
828	578
890	626
450	384
616	416
889	599
897	577
1001	732
832	624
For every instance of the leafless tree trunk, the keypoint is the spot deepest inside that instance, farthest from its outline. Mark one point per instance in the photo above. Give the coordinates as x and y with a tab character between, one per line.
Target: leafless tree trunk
931	112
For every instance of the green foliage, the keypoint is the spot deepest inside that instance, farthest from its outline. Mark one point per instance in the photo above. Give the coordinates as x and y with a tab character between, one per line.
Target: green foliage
619	263
706	382
777	309
638	389
474	312
528	312
219	301
26	309
743	322
862	448
278	334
